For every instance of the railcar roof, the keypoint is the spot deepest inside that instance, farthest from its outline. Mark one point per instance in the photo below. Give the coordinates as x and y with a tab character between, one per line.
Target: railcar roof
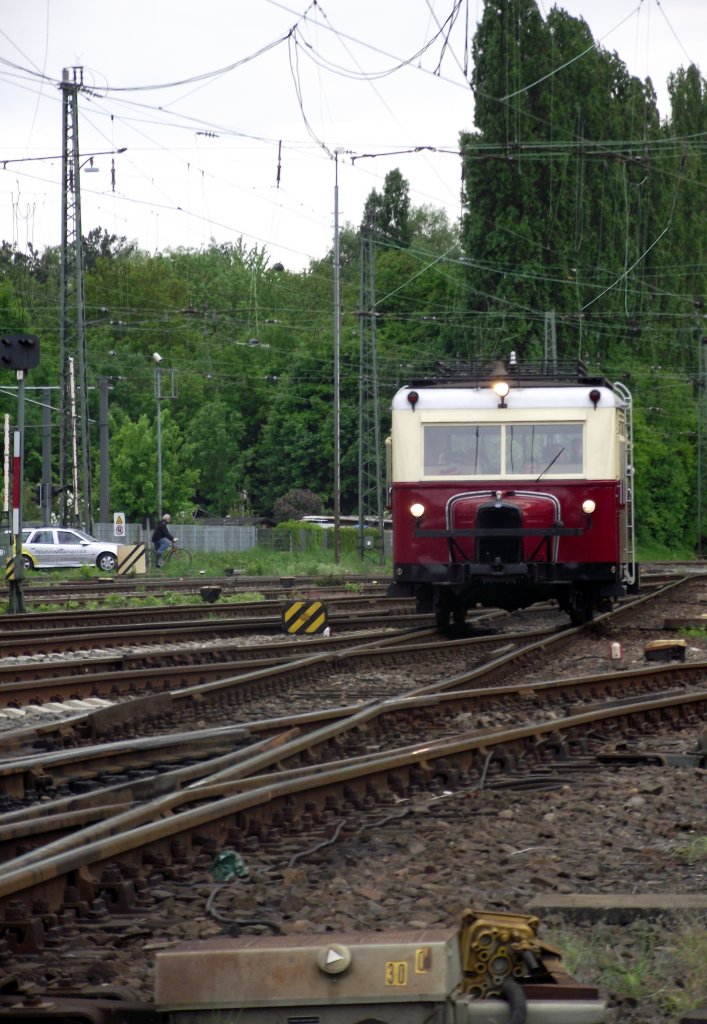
544	374
475	398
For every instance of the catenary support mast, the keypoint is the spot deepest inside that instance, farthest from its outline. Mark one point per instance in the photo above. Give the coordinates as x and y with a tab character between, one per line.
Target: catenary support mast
72	324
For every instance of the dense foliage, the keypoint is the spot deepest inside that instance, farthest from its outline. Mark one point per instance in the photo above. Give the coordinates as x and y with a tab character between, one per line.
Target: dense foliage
582	234
296	504
584	228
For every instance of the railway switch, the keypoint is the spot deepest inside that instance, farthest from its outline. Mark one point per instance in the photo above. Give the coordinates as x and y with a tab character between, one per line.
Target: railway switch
427	976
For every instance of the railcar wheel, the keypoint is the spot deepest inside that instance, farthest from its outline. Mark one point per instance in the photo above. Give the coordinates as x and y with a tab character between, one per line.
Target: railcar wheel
447	607
442	618
442	609
424	600
581	609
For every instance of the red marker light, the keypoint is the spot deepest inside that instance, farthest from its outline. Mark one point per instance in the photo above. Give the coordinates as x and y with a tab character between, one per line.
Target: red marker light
412	399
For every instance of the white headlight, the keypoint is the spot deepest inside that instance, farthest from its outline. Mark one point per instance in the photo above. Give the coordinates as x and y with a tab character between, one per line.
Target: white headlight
588	506
417	510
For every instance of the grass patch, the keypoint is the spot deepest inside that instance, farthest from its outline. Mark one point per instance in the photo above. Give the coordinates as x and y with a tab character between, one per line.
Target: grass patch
692	851
168	598
648	551
263	562
697	633
206	566
650	972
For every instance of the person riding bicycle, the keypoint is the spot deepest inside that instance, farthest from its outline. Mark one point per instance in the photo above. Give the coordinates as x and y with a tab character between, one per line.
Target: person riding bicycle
162	538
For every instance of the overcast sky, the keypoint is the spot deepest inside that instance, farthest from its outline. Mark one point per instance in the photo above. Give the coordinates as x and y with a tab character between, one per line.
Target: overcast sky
258	96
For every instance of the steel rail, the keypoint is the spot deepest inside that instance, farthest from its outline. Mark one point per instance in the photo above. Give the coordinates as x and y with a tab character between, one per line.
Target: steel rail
449	700
173	615
287	672
70	639
536	730
240	763
212	809
222	650
114	677
73	761
103	721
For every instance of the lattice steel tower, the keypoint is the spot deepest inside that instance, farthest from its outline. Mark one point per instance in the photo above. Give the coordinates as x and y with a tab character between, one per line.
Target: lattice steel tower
73	390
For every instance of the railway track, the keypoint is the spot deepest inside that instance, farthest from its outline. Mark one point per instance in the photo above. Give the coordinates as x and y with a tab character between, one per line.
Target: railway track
209	803
99	588
449	698
451	708
227	675
102	589
121	820
47	620
142	632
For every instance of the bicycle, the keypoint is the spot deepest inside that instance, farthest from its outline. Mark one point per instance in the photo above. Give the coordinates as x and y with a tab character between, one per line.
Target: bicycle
180	556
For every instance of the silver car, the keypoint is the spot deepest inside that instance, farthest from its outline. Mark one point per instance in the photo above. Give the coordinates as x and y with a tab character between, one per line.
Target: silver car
54	547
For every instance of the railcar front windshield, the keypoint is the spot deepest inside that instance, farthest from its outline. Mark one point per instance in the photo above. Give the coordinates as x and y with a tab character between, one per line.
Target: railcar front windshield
553	448
513	449
451	450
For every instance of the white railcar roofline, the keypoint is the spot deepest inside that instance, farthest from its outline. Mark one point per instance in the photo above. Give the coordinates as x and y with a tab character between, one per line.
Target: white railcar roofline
467	399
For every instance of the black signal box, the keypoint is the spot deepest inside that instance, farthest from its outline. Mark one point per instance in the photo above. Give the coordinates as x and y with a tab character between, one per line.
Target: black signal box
19	351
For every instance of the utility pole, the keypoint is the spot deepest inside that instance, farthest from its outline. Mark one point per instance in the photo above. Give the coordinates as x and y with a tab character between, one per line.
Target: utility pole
701	392
370	483
158	395
337	372
45	491
103	441
72	322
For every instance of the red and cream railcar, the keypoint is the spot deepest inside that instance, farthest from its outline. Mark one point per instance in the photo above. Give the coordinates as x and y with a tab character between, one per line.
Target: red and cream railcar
512	488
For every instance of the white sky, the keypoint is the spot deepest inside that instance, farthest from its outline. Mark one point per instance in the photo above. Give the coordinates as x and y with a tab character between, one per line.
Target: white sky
177	187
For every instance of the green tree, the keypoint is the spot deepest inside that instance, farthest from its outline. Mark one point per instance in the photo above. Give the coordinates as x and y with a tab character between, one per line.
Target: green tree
218	430
561	204
387	214
133	460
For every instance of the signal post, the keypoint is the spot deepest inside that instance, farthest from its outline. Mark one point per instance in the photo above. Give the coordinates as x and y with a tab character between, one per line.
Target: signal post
19	352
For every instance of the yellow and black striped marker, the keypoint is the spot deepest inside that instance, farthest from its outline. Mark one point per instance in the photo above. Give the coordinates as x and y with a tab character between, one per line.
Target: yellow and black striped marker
304	617
131	558
10	569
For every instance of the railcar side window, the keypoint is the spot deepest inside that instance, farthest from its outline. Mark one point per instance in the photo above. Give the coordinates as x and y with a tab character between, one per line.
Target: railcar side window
454	450
544	448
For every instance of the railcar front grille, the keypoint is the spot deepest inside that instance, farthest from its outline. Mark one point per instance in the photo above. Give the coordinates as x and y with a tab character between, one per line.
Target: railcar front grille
508	550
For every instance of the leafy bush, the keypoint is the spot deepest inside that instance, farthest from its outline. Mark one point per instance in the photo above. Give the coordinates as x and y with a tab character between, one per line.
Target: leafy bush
297	503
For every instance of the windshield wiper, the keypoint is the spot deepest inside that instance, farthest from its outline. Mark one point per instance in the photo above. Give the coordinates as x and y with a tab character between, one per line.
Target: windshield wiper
550	465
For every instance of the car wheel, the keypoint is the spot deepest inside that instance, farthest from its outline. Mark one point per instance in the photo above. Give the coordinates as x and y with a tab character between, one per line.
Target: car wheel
27	562
107	561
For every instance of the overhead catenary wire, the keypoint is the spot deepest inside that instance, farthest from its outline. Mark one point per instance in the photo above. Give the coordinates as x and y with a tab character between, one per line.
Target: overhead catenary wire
315	18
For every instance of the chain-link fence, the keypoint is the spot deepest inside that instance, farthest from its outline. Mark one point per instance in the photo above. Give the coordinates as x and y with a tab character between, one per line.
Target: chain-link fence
227	538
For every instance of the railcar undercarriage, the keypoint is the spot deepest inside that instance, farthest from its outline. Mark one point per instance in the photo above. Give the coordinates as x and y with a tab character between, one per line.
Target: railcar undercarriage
450	591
